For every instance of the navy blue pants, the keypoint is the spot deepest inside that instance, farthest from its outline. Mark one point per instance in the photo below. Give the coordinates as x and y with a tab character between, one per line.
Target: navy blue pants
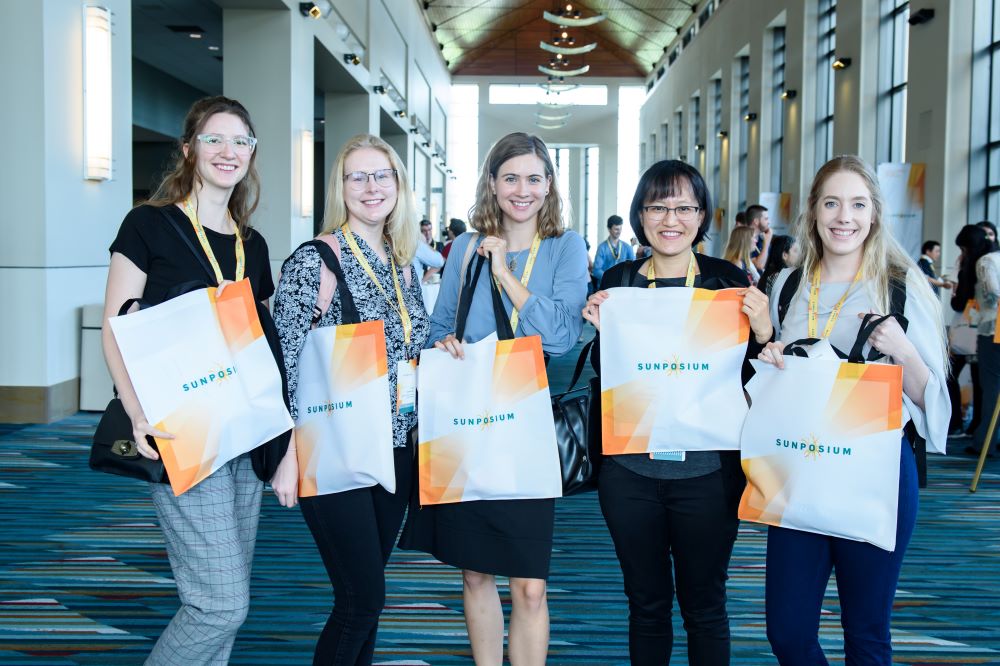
798	569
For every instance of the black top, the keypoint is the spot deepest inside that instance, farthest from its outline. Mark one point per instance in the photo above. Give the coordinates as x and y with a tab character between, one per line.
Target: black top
713	274
152	244
928	268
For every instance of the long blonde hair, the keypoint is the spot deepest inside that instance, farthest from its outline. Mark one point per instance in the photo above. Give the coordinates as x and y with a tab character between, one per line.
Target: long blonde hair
485	215
401	224
179	182
740	246
882	258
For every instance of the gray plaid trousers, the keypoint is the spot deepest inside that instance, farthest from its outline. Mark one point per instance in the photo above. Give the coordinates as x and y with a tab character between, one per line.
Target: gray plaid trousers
210	532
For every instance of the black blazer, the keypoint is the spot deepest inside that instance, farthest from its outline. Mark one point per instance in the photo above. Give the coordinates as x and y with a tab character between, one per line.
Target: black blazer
715	274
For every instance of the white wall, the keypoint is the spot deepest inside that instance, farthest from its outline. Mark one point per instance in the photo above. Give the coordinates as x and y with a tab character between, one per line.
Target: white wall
56	226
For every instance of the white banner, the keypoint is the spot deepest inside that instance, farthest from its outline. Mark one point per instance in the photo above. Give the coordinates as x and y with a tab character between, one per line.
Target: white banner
902	187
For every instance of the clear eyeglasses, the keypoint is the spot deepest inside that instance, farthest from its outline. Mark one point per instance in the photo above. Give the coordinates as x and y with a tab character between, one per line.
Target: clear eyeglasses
682	213
358	180
213	143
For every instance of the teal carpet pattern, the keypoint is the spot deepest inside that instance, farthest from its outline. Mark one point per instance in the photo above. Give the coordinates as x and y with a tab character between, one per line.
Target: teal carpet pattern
84	578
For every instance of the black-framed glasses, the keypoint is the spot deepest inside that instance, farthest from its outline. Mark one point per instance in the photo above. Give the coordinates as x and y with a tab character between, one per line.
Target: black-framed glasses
682	213
214	143
358	180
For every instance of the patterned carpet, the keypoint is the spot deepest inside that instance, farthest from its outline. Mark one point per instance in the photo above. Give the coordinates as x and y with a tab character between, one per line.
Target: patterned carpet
84	578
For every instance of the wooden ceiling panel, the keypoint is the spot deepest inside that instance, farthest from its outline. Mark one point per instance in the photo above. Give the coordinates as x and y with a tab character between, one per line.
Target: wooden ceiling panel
500	37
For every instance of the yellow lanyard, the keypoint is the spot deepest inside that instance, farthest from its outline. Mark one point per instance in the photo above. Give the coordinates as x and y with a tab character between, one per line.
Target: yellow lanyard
814	305
199	231
688	281
404	314
535	244
615	255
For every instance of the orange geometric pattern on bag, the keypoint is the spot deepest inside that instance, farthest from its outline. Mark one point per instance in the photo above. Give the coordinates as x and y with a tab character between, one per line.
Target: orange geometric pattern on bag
518	370
237	314
715	320
627	418
865	399
359	355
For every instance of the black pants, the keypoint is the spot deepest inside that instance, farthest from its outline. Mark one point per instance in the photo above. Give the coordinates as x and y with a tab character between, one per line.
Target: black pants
694	523
355	531
955	393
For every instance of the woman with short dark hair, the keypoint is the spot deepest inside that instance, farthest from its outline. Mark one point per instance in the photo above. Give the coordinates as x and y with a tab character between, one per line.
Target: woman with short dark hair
673	522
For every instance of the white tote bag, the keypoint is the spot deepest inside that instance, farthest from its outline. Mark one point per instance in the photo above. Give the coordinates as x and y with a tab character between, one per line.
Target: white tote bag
820	448
203	371
343	431
486	428
671	362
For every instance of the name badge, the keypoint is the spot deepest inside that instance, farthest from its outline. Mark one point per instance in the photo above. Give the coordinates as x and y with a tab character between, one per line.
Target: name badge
675	456
406	386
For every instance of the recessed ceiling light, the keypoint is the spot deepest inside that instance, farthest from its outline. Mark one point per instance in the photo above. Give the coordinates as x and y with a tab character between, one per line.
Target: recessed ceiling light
195	35
213	48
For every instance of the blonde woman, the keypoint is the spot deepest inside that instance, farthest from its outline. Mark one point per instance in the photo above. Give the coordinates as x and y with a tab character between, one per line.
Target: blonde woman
518	217
850	266
370	211
739	249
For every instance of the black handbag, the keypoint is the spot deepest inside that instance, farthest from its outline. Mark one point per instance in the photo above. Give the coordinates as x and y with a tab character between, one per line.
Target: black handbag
577	420
114	450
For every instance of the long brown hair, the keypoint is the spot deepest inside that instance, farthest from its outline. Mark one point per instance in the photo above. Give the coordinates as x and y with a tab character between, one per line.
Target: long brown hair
401	224
485	215
180	181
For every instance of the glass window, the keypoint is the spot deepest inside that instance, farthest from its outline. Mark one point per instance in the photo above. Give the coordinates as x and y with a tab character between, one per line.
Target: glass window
717	141
630	99
665	133
463	149
680	146
893	43
984	172
694	120
592	187
777	106
744	65
824	80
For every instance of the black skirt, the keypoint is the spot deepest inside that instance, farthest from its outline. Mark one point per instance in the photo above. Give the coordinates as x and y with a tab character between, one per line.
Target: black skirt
500	537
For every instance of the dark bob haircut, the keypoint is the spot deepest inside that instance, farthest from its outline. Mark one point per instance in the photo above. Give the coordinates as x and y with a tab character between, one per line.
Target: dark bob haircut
667	179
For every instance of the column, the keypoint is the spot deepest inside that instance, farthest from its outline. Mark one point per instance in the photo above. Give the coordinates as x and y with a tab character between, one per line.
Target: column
269	68
56	226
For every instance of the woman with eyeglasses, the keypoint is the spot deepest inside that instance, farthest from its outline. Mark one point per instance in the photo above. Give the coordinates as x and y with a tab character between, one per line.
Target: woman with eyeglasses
672	518
208	195
541	270
371	214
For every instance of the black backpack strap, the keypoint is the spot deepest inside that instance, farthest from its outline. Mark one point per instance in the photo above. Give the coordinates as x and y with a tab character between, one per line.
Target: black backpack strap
584	353
787	293
897	299
199	255
348	310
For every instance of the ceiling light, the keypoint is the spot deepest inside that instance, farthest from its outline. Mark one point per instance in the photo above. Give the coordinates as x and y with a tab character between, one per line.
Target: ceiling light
352	59
194	35
400	114
789	94
379	90
841	63
699	146
722	134
570	72
213	47
565	20
317	9
750	117
564	50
